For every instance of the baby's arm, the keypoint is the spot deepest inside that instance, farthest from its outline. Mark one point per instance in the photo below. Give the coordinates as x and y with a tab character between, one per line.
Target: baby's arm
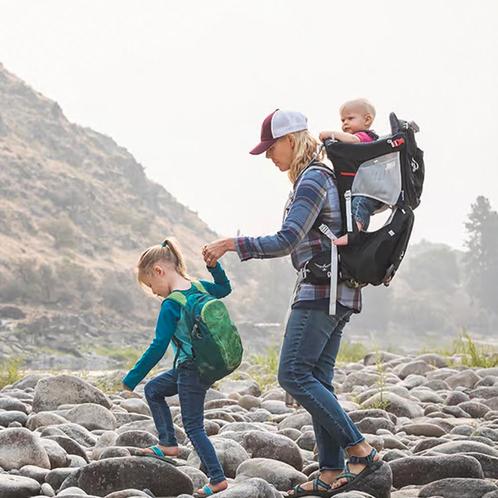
341	136
165	328
221	286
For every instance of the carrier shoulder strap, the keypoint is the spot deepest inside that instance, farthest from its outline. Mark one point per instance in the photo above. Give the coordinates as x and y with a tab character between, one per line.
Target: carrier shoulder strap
177	297
199	287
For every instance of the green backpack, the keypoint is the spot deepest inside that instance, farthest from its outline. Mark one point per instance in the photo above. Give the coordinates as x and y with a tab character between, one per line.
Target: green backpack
216	345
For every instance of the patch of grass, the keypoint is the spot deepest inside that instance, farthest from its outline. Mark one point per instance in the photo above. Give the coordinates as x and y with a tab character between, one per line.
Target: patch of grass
382	403
351	352
472	354
267	363
10	371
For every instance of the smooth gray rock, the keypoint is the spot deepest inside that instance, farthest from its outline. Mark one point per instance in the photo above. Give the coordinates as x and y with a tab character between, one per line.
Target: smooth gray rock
417	367
47	490
457	488
57	476
114	452
433	359
92	416
43	419
465	378
241	387
423	429
128	493
455	447
115	474
8	403
8	417
198	478
230	453
489	464
261	444
279	474
76	432
474	408
56	454
70	492
422	470
307	441
248	402
19	447
296	421
401	407
70	445
34	472
52	392
135	405
12	486
138	439
456	397
371	425
251	488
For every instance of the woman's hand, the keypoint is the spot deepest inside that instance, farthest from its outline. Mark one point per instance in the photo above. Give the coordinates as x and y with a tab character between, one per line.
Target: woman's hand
214	251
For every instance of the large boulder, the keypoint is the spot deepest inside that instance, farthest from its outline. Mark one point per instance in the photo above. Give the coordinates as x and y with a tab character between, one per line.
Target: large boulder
419	470
260	444
280	474
9	403
115	474
296	421
241	387
230	454
92	416
457	488
52	392
36	420
19	447
18	486
454	447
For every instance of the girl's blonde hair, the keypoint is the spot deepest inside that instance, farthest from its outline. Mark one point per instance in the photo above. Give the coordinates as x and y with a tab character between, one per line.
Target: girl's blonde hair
306	148
167	252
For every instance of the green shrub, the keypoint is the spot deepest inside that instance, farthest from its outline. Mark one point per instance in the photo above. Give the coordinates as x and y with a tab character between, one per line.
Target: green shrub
10	371
351	352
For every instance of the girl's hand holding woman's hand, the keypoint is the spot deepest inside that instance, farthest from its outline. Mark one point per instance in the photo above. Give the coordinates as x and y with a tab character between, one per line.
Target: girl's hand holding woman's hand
215	250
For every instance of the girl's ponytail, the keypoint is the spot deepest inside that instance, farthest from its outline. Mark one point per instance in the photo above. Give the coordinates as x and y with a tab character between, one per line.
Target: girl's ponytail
169	252
179	260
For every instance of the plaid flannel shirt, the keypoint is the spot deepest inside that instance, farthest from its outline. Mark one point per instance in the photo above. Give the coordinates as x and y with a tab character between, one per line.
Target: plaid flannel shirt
313	201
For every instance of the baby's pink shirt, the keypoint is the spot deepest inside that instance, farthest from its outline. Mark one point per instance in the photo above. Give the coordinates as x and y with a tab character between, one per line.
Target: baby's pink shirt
363	136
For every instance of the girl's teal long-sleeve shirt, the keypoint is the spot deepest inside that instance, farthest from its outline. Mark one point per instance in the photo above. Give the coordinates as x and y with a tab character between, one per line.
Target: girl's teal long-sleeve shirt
166	328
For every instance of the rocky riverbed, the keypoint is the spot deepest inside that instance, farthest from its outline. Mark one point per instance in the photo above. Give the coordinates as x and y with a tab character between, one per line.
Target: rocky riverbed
435	426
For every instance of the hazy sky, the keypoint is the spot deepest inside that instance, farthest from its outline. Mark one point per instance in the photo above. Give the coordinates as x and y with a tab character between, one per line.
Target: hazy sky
185	85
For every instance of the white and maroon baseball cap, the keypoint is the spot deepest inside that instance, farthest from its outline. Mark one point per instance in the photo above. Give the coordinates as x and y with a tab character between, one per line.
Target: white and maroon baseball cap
278	124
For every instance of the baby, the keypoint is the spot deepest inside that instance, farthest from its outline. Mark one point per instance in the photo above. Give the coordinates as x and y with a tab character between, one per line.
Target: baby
357	117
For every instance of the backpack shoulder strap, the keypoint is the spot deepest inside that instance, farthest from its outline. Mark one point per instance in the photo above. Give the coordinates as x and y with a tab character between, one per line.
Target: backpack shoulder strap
177	297
199	287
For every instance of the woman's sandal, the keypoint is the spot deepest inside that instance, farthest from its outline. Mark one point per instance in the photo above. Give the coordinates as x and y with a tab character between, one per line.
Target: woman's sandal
354	480
159	454
298	490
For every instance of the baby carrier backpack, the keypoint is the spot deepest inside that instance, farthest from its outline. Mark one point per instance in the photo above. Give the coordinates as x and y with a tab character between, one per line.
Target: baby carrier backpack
390	170
216	344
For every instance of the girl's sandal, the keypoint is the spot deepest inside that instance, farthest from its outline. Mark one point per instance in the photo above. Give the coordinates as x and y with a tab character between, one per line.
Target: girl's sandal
353	480
206	491
159	454
298	490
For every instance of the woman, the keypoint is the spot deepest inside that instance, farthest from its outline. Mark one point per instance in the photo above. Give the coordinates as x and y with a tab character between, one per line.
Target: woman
312	336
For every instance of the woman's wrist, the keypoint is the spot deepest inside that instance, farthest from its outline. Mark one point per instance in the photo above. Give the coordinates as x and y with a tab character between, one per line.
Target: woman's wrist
230	244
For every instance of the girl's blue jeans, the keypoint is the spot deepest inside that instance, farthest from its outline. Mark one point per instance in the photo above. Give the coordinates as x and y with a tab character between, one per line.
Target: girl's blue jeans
184	381
306	371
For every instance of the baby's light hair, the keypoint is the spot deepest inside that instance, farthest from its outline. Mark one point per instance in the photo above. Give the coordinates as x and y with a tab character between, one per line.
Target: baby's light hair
363	104
168	252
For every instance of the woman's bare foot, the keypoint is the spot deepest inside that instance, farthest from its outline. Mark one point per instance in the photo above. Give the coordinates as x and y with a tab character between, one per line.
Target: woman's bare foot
216	488
171	451
360	450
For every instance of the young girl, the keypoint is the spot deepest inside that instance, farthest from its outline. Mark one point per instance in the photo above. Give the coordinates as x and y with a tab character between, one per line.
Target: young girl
162	269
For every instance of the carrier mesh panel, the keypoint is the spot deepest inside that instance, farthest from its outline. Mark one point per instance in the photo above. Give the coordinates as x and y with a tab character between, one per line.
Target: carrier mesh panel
379	178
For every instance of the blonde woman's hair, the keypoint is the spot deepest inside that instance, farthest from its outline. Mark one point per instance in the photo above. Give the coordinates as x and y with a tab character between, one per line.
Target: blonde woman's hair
306	148
167	252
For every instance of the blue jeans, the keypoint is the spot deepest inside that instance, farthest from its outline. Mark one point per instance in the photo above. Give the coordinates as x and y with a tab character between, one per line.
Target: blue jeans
306	370
184	381
362	208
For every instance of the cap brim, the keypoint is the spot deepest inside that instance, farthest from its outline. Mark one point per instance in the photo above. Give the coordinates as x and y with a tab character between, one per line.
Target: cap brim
263	146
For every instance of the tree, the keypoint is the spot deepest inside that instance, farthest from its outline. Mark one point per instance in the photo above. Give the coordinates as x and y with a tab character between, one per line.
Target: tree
481	259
